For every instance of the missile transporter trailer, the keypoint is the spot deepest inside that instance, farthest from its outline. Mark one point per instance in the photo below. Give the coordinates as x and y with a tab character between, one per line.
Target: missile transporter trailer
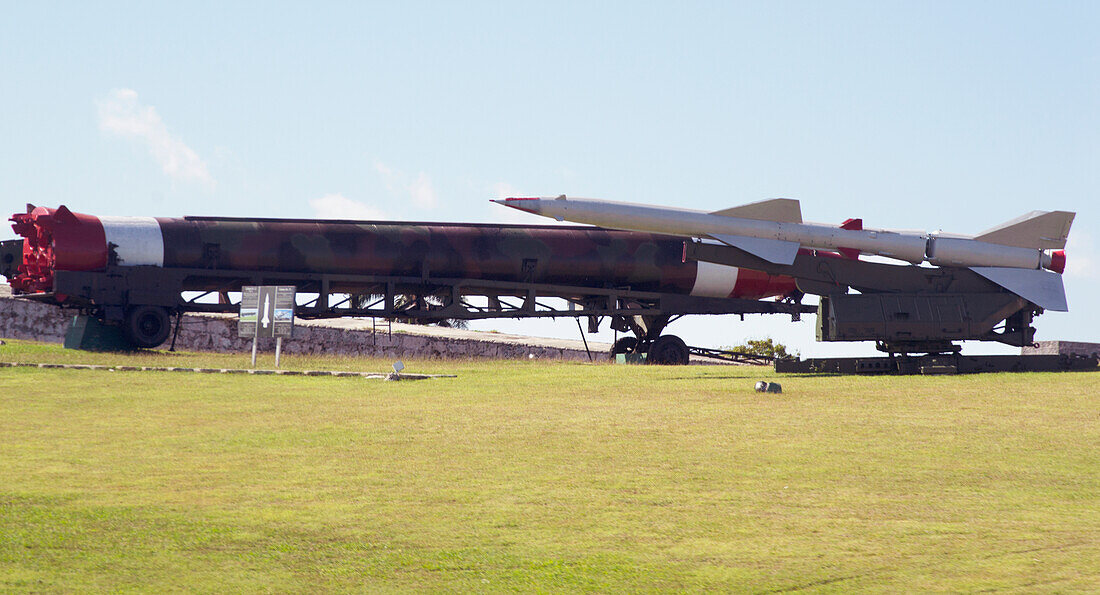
987	287
137	273
915	315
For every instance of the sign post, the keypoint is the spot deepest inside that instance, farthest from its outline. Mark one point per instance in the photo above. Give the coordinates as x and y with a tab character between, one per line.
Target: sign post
266	311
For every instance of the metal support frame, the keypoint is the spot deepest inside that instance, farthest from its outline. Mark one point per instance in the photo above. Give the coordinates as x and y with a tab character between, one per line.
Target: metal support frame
433	299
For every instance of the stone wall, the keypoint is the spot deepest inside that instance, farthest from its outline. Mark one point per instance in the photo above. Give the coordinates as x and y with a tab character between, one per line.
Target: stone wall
219	333
1063	348
22	319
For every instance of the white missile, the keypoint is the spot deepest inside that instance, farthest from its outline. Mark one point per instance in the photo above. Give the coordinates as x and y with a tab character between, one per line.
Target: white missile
1012	255
266	320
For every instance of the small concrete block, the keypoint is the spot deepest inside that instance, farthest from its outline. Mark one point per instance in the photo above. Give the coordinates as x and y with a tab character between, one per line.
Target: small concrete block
768	387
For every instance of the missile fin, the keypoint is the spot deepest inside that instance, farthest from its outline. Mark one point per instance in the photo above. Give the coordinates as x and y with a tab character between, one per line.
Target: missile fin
854	225
1041	230
785	210
1042	288
775	251
64	215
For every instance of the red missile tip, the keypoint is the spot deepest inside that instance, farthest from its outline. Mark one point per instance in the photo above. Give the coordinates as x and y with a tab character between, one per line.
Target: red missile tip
511	202
1058	261
501	201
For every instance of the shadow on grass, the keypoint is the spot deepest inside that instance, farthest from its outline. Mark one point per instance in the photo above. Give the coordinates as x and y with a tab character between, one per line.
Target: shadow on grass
770	374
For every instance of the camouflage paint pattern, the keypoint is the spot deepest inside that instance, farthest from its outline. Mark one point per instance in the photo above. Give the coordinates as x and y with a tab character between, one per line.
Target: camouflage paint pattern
562	255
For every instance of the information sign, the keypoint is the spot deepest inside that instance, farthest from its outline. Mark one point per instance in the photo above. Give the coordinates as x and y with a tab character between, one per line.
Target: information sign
266	311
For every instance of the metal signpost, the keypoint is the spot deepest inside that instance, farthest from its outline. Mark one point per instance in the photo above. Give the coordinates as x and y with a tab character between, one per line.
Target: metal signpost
266	311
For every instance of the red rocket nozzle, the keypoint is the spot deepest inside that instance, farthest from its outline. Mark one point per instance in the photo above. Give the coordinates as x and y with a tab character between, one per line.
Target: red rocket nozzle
1058	261
56	239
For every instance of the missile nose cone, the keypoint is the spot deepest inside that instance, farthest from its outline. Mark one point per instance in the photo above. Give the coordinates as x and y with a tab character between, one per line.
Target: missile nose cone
531	205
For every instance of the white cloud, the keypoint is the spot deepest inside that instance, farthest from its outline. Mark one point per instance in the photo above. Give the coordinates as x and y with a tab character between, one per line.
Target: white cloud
420	191
389	178
121	114
338	206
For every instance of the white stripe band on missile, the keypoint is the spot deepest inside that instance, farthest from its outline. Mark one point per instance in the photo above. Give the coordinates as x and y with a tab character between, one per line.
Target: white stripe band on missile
137	240
714	280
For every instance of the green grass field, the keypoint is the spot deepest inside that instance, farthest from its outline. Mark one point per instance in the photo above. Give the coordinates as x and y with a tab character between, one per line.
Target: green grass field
535	476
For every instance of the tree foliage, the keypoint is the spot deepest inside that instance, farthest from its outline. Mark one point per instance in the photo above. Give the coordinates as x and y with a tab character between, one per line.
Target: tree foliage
766	347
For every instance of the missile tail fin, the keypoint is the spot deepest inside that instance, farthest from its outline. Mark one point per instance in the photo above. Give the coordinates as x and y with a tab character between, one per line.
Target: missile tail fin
784	210
1042	288
775	251
64	215
1041	230
855	225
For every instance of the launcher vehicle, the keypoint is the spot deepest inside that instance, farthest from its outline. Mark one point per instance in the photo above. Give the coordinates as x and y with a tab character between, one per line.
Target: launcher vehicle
138	272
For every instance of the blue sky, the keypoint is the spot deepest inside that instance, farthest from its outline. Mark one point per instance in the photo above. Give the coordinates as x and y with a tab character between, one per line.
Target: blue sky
914	115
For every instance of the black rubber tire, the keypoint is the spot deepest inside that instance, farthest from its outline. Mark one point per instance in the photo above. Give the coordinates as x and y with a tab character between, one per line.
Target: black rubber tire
668	350
147	326
624	345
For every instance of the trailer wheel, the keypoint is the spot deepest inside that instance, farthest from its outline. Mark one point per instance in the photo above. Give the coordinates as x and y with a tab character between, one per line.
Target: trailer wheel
147	326
624	345
668	350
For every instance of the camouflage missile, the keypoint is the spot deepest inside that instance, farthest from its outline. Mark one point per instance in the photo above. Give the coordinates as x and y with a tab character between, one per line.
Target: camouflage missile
59	239
1024	255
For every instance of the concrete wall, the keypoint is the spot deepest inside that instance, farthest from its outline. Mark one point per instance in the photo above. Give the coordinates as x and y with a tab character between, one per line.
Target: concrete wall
21	319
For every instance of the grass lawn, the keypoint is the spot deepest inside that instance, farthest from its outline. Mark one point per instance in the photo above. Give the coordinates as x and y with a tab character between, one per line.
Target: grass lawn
537	476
